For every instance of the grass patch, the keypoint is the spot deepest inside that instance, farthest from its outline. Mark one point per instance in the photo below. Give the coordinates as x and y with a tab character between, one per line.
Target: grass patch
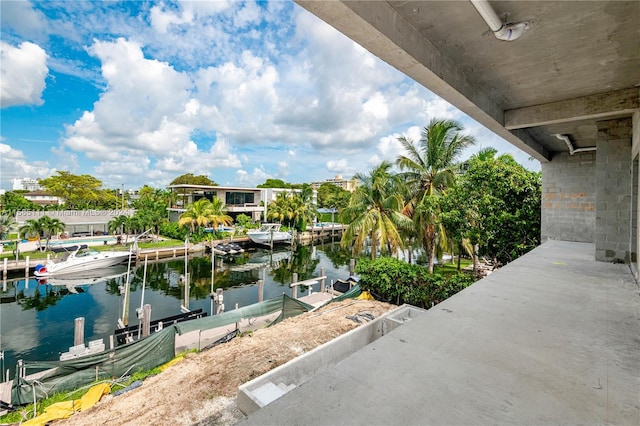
18	416
451	268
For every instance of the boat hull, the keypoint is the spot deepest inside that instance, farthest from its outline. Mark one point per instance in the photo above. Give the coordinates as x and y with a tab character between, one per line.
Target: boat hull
86	263
267	237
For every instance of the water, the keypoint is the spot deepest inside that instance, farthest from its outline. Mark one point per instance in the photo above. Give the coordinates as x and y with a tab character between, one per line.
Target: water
37	316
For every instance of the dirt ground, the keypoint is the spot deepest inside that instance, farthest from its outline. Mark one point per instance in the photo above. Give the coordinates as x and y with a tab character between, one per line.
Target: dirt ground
201	389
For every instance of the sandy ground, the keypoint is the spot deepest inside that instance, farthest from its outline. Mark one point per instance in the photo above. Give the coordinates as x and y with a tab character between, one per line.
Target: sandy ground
201	389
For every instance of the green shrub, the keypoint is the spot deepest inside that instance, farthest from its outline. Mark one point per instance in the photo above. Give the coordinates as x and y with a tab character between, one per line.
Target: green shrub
398	282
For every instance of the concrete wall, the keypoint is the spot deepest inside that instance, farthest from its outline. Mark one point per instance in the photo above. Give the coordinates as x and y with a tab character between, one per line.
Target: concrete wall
569	198
613	190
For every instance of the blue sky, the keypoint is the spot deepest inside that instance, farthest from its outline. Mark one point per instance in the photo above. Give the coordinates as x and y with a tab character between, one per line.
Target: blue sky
140	92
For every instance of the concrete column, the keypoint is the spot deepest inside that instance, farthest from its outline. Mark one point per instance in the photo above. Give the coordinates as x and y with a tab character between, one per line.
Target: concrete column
613	191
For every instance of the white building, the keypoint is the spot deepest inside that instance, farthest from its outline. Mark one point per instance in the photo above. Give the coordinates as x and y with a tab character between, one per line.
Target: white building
26	184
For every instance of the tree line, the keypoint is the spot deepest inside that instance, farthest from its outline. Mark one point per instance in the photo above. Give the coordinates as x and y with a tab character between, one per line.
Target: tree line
486	206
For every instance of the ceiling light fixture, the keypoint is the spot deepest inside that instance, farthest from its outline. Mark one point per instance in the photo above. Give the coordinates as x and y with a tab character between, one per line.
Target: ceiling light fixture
502	31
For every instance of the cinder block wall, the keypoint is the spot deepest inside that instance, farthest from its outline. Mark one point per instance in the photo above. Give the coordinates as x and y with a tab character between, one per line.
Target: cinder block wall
613	190
569	198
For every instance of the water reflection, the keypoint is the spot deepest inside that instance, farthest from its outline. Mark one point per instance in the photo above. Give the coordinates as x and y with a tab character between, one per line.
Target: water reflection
37	316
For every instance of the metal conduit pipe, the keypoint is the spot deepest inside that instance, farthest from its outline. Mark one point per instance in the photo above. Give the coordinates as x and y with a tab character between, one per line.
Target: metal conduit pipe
502	31
573	150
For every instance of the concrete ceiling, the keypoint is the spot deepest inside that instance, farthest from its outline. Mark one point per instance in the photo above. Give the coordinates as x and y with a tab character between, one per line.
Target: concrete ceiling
578	62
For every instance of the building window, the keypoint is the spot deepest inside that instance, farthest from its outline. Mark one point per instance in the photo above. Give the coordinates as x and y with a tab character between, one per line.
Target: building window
239	198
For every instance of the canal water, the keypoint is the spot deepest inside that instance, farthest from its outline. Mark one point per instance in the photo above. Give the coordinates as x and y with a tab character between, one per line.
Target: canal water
37	316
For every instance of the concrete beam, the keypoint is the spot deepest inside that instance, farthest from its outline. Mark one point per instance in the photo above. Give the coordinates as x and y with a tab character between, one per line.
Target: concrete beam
601	106
378	27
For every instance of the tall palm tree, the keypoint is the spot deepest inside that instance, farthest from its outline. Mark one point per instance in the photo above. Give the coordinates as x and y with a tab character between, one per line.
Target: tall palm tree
204	212
51	226
282	209
7	224
117	224
219	214
31	227
429	169
374	212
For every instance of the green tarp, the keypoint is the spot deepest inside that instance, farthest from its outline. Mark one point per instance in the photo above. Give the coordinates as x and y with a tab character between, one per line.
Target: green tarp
144	354
289	306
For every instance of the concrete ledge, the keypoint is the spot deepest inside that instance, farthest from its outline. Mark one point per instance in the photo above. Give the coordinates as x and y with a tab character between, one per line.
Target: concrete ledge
262	390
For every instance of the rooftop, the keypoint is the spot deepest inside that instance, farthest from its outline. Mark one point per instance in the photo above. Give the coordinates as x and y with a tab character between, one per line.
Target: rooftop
552	338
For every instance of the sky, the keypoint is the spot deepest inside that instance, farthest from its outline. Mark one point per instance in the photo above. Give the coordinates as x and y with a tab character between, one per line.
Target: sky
141	92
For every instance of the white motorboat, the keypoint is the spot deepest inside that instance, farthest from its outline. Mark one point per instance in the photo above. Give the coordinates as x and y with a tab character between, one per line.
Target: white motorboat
269	233
79	259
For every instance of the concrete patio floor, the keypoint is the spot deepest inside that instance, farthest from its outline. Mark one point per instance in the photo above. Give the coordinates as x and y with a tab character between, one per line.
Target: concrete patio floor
552	338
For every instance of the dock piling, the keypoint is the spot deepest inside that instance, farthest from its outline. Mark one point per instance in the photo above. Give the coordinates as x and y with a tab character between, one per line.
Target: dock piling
322	274
4	268
294	279
78	331
26	268
146	321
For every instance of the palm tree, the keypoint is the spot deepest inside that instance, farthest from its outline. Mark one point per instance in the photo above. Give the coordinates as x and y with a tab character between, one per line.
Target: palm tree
374	212
7	224
305	209
204	212
219	214
282	209
51	226
31	227
117	224
429	170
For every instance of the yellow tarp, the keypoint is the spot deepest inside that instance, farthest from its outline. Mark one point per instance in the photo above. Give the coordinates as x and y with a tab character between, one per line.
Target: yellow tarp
170	363
63	410
365	295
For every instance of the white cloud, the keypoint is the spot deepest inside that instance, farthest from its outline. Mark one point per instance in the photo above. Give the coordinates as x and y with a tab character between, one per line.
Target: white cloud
441	109
20	16
23	71
248	14
161	20
14	165
341	167
257	176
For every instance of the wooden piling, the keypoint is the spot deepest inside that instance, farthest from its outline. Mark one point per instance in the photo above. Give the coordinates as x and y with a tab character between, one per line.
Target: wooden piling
294	279
220	300
4	269
146	320
352	267
26	267
78	331
322	274
260	290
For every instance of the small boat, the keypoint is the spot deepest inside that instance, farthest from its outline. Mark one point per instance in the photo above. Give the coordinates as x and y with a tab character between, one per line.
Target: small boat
224	249
343	286
80	258
269	233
